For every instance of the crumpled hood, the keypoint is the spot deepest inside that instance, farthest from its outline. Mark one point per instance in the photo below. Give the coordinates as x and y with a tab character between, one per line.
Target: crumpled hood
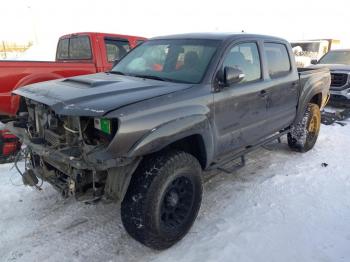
332	67
97	94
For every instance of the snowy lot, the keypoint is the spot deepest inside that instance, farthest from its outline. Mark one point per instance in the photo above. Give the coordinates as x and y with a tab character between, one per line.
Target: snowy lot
282	206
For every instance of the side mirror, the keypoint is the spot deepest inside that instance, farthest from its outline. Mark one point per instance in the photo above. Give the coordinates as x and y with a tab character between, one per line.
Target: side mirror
314	61
232	75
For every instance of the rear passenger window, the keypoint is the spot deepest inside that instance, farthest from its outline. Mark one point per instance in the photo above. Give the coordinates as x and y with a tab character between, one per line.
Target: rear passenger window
62	49
74	48
116	48
79	48
278	61
245	57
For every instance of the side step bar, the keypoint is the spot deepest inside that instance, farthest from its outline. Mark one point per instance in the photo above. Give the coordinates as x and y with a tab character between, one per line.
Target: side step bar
234	167
231	157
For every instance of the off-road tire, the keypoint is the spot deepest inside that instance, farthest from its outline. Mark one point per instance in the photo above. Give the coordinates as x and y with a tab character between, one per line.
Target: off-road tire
163	199
304	135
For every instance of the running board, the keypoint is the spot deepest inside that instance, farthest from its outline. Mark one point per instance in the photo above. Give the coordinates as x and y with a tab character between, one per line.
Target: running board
231	157
234	167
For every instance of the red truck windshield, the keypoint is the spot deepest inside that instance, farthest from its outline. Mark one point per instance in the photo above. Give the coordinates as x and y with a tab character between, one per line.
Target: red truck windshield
169	60
74	48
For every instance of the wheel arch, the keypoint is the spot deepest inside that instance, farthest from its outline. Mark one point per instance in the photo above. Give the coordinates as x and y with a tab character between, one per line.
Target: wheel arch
192	134
317	99
314	97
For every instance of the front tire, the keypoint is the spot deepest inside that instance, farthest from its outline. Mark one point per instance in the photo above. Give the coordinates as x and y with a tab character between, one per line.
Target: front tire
163	199
304	135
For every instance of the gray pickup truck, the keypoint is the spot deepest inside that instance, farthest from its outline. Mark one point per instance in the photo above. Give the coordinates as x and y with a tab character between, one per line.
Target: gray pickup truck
174	106
338	62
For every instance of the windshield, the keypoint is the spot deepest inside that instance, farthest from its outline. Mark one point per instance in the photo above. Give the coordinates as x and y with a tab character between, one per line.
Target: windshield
336	57
171	60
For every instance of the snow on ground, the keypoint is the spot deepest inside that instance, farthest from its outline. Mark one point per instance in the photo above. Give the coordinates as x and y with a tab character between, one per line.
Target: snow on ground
282	206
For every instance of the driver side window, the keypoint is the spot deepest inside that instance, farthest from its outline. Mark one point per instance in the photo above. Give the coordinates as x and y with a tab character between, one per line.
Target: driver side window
245	57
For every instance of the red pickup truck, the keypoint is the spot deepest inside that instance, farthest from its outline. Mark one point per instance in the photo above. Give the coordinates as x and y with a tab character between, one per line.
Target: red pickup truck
77	54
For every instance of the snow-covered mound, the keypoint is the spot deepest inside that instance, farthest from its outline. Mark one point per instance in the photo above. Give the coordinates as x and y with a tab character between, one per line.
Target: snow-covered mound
282	206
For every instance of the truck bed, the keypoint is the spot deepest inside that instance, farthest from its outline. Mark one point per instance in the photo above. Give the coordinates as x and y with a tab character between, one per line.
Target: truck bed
14	74
306	70
315	79
306	73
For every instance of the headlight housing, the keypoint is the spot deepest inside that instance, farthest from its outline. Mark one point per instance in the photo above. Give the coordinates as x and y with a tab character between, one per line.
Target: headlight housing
98	131
103	124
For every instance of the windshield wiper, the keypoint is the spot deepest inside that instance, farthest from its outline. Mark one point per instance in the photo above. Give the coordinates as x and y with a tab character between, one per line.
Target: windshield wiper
161	78
149	77
117	73
152	77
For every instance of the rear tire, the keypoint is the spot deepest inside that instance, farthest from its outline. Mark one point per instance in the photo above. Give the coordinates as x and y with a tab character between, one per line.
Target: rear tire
304	135
163	199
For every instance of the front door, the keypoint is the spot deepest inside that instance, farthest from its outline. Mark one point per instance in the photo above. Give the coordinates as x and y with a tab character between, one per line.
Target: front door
240	109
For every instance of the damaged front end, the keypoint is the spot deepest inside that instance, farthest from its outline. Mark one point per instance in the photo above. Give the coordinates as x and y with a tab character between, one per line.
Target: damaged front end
71	153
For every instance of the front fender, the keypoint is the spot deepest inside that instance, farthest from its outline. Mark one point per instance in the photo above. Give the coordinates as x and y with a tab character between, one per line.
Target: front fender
165	134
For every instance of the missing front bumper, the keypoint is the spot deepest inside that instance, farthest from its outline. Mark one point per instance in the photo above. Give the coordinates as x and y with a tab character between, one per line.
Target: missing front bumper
94	173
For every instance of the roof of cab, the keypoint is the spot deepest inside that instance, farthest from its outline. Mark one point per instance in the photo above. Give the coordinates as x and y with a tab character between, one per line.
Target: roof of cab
216	36
100	34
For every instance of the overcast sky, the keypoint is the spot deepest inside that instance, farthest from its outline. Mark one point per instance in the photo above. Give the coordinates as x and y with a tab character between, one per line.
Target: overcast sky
44	21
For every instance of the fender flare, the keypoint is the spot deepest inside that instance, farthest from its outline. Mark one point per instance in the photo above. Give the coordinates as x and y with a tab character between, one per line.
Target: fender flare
175	130
305	98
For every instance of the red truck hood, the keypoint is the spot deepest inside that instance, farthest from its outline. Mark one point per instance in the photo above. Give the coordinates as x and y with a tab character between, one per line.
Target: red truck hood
97	94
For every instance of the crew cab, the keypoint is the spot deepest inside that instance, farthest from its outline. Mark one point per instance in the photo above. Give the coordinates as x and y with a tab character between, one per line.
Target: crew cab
77	54
338	62
144	132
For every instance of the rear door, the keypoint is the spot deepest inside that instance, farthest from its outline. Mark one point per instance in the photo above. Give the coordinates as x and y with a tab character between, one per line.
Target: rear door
282	86
240	109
